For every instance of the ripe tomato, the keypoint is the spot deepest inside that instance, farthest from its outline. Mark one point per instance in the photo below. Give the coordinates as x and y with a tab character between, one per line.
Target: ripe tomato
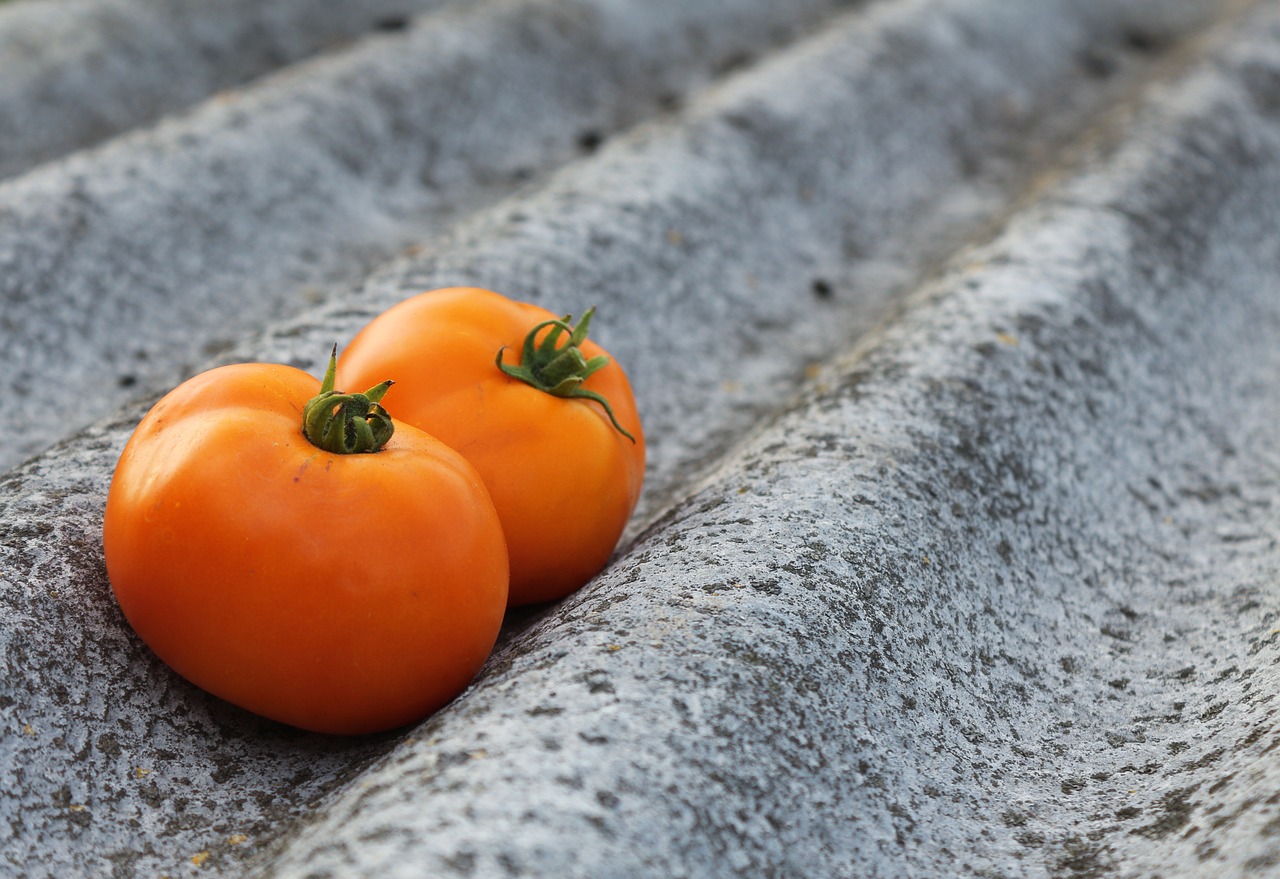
342	593
562	455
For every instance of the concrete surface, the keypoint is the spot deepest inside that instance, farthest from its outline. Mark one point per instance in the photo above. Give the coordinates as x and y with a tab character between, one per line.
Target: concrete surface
779	213
124	268
75	72
989	590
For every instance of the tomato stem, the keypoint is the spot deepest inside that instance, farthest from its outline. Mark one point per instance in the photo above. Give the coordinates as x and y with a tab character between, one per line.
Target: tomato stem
346	424
560	371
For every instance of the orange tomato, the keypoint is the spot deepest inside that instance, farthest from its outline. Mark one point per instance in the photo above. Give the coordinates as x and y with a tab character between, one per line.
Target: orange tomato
563	457
340	593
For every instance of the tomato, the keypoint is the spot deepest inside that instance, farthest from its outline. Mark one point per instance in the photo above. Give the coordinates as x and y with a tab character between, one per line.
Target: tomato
338	592
561	450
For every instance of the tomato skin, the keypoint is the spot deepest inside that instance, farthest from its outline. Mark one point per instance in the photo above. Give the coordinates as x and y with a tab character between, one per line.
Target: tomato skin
563	478
337	593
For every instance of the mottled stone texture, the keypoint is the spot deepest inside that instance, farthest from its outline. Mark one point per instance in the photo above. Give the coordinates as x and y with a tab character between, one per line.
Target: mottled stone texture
988	590
124	268
75	72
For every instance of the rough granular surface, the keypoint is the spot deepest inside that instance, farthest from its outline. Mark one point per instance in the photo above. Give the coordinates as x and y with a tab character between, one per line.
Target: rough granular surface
75	72
124	269
955	327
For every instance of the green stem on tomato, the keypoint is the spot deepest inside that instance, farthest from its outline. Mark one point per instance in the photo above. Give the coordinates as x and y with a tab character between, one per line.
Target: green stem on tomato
346	424
560	371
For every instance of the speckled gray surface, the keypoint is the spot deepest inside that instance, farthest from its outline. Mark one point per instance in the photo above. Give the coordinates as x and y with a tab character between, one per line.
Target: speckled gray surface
780	213
123	268
74	72
994	596
997	597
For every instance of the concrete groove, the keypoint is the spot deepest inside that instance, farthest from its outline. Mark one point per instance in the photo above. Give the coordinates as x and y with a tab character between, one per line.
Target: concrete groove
994	595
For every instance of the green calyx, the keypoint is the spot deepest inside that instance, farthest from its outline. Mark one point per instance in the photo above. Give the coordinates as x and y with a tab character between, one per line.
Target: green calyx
557	369
346	424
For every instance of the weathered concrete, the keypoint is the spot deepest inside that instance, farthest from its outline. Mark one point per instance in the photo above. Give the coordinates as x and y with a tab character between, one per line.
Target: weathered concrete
996	598
734	246
123	268
959	610
74	72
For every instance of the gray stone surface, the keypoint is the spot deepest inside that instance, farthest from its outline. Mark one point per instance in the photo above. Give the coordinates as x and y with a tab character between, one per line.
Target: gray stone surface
75	72
997	597
994	596
734	246
124	267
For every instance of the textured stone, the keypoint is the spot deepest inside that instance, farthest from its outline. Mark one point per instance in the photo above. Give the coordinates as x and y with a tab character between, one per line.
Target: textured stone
74	72
997	597
994	596
734	246
123	268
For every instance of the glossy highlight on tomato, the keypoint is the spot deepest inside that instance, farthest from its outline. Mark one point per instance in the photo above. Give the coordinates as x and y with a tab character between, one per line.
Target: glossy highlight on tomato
565	471
340	593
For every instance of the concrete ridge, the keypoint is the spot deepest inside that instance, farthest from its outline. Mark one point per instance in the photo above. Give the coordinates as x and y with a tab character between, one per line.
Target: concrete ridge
75	72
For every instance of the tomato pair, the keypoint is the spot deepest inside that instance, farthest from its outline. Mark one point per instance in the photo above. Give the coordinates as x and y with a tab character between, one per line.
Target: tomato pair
342	562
